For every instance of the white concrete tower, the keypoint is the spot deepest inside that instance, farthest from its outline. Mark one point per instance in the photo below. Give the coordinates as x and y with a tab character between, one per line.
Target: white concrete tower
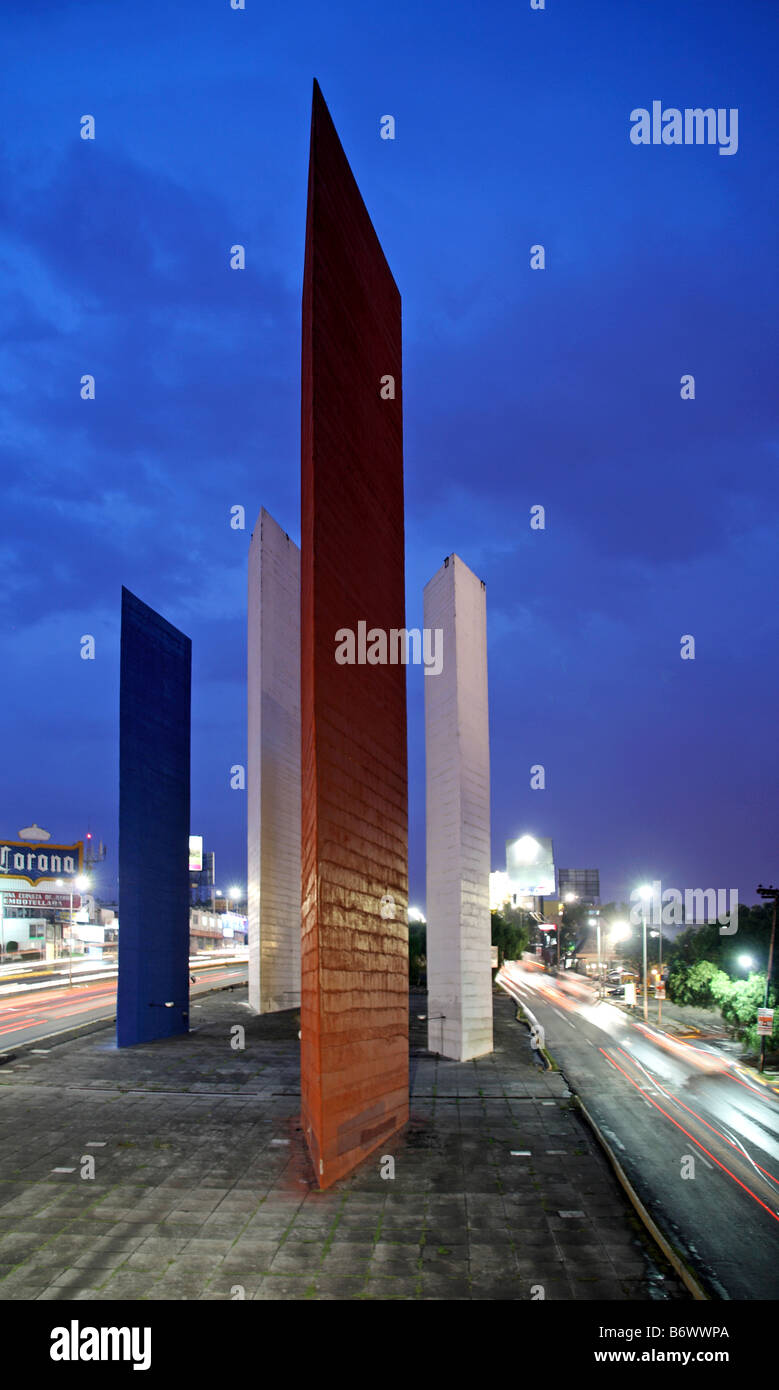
457	760
273	773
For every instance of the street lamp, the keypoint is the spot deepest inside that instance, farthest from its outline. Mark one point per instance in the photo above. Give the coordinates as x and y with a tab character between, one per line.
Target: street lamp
645	893
81	882
745	962
595	922
773	893
659	997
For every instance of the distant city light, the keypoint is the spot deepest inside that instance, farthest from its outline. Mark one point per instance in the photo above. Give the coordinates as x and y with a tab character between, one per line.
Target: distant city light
500	890
526	849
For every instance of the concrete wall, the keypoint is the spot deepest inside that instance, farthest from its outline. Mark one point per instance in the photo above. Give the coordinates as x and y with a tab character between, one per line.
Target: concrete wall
154	750
457	761
273	772
354	1009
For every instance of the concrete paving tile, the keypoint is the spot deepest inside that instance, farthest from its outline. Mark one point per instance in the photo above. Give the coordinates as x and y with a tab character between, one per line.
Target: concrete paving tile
287	1289
198	1174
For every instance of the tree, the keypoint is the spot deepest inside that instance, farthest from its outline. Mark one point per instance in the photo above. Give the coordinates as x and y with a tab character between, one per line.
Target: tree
417	954
510	933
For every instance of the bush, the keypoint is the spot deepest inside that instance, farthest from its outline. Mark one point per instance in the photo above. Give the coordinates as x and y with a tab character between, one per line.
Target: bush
693	984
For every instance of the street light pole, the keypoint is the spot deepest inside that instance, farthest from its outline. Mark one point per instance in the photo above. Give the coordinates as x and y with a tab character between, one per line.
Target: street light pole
769	892
600	967
643	923
660	977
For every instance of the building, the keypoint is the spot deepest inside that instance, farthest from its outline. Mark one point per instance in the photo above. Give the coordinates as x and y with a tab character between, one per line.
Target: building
205	930
37	911
202	871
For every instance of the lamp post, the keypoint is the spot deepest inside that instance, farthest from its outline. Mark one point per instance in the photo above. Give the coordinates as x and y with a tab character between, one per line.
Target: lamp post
659	935
660	975
81	882
769	892
645	893
595	922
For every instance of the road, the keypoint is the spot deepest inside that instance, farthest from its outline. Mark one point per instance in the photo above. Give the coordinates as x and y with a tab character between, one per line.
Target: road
31	1012
696	1135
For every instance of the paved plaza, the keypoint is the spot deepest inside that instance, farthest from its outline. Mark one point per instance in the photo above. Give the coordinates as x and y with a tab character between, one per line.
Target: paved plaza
202	1186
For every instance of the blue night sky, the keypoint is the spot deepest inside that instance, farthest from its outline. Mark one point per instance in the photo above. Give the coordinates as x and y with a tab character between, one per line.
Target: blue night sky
559	387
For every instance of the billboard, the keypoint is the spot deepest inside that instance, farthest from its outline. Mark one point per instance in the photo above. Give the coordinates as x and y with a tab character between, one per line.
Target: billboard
195	854
18	859
530	866
38	900
582	883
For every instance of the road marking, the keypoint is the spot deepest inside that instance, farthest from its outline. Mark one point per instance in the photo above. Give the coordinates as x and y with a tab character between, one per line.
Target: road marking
63	1170
42	1051
557	1151
567	1214
706	1161
520	1153
96	1143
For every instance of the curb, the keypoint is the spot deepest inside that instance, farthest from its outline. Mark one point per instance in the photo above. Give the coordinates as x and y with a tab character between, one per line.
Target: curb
81	1030
65	1035
757	1076
523	1015
686	1275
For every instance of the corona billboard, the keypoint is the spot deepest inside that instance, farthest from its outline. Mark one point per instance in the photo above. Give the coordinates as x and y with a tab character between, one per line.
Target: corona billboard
18	859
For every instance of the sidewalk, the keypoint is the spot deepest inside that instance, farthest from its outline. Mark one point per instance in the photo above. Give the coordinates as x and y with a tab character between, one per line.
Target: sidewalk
202	1187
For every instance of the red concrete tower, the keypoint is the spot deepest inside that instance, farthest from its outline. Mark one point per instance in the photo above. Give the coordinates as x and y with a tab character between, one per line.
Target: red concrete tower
354	950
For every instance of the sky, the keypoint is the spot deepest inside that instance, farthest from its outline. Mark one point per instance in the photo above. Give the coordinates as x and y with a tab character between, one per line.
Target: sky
558	387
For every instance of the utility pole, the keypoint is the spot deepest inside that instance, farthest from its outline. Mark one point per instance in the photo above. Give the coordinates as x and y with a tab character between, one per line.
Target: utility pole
643	922
660	976
769	892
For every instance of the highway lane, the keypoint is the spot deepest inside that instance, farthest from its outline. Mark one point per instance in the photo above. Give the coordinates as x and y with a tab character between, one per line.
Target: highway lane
31	1015
696	1135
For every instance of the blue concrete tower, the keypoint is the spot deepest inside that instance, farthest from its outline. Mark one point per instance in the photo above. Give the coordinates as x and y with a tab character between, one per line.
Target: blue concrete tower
154	762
